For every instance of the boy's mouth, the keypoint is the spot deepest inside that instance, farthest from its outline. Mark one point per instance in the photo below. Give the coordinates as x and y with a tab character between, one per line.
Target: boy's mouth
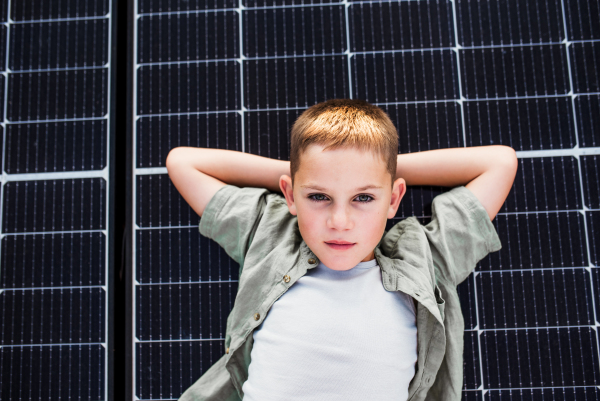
340	245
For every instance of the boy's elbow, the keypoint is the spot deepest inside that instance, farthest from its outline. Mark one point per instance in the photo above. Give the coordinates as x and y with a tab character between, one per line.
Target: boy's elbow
508	157
173	156
170	157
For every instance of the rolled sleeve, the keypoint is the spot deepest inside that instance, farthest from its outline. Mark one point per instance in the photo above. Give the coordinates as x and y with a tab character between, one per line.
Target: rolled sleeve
460	233
231	218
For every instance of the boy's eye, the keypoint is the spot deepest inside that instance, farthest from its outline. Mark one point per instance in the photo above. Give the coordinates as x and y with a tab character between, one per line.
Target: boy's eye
367	200
311	197
322	198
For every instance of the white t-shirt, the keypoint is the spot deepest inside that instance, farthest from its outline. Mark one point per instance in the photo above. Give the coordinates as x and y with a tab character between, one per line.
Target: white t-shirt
335	335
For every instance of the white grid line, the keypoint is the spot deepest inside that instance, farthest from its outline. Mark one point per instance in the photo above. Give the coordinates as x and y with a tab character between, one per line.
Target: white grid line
374	103
241	61
51	345
455	48
73	19
348	52
58	287
55	69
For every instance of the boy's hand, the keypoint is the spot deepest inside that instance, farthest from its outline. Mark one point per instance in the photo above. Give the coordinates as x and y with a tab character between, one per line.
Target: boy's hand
487	171
198	173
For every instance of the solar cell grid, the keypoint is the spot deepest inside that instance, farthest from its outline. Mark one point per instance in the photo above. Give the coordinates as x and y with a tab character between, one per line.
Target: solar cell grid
538	241
587	108
161	36
294	31
522	124
441	118
375	26
61	146
55	281
449	74
482	23
58	44
158	134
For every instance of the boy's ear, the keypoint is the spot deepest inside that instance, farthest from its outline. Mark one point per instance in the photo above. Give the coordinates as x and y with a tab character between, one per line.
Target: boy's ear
398	191
285	184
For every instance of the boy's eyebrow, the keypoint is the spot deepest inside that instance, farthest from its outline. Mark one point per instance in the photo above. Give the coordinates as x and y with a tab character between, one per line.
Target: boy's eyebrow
370	186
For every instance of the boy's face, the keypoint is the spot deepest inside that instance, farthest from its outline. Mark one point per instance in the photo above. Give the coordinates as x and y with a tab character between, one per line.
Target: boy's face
332	204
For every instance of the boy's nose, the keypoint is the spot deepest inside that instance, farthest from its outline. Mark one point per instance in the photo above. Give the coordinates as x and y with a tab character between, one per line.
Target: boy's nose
340	219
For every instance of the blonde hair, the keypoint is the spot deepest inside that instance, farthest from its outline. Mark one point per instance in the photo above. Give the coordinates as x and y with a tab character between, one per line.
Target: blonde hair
345	123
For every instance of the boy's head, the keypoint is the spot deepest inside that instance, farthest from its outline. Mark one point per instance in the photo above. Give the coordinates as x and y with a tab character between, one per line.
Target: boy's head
338	148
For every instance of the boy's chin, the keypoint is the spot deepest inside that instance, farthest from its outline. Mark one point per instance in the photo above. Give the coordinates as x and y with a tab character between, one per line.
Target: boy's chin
337	262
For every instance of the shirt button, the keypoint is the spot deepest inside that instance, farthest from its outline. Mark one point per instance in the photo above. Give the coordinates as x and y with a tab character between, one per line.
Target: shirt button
256	316
312	261
227	350
286	278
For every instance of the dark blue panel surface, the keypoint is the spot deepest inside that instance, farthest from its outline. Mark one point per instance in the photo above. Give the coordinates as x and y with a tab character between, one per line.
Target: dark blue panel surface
590	176
584	56
35	96
157	360
294	31
158	6
514	71
532	356
531	298
38	205
400	25
53	260
155	190
294	82
593	229
158	95
405	76
203	307
522	124
27	10
56	146
425	126
545	184
211	35
471	370
268	132
582	19
53	316
587	108
200	251
538	241
59	44
491	22
159	134
466	296
56	372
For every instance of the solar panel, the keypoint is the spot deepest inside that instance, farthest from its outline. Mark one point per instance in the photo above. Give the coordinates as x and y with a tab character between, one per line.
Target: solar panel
236	74
55	277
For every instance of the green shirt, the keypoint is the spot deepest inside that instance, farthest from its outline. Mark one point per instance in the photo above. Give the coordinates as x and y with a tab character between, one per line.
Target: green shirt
256	229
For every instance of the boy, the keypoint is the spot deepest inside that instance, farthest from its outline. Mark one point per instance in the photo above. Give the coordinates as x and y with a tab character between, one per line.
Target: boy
330	306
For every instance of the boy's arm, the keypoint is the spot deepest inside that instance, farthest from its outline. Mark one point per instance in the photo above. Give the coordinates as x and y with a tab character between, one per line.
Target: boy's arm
487	171
198	173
